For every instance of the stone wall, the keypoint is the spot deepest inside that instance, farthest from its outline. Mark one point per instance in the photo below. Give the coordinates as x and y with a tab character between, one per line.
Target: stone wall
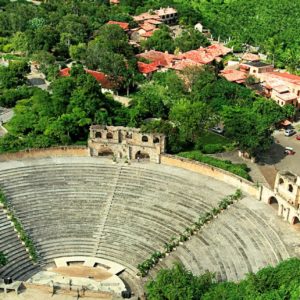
125	142
219	174
284	209
46	152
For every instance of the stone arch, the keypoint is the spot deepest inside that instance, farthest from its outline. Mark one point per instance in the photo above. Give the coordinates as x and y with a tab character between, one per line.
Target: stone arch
144	138
296	221
142	155
156	140
98	135
281	181
109	136
105	152
273	202
290	188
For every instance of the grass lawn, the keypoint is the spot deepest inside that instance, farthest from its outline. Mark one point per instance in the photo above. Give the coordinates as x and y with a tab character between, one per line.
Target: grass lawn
211	142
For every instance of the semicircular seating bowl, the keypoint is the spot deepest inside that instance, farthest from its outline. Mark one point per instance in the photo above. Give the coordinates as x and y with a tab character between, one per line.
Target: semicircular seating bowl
91	207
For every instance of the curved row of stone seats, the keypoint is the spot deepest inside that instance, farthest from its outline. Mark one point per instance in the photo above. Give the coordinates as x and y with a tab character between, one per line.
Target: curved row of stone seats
238	242
62	208
59	205
155	206
19	266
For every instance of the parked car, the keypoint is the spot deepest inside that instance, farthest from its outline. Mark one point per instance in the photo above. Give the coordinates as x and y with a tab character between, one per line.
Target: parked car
217	130
289	132
298	137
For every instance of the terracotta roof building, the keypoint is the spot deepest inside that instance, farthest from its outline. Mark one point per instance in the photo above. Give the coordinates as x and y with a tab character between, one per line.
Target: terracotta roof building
160	58
102	78
250	57
147	68
123	25
234	75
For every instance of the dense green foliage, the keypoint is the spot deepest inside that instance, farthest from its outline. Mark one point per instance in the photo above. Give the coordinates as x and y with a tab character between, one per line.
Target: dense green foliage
272	25
185	110
270	283
63	116
162	40
238	169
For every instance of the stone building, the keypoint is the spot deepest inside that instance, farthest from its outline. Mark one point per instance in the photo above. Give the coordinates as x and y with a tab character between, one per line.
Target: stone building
125	142
286	196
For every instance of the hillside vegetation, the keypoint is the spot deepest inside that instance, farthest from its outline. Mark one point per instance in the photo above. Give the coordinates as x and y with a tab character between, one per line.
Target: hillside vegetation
270	283
272	25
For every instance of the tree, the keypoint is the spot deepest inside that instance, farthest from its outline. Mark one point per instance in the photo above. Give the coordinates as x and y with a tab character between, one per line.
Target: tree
190	39
192	119
149	102
78	52
250	130
178	283
13	75
72	30
161	40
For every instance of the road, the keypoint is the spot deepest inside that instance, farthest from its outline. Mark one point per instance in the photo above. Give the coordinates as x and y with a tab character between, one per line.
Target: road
276	154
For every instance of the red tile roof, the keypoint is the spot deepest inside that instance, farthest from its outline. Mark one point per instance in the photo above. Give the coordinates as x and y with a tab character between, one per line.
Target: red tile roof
64	72
182	64
123	25
146	16
147	68
147	27
99	76
154	22
147	34
218	50
234	75
160	58
286	76
251	57
200	56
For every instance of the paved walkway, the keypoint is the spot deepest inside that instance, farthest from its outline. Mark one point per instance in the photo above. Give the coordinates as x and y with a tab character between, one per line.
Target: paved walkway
255	170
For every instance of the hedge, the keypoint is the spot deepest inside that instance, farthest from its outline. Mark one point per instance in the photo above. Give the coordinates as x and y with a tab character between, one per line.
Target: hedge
237	169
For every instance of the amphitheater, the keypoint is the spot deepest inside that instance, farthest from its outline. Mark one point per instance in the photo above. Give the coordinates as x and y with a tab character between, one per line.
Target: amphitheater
93	212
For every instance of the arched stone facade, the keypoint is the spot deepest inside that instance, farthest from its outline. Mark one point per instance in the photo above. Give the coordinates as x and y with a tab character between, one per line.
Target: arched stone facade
285	197
125	142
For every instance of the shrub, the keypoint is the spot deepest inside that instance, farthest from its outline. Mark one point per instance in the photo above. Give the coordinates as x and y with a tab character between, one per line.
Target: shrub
18	226
213	148
237	169
3	259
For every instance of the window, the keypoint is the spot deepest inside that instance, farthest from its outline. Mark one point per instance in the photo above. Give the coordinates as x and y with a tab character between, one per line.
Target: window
290	188
144	138
128	135
281	181
98	135
156	140
109	136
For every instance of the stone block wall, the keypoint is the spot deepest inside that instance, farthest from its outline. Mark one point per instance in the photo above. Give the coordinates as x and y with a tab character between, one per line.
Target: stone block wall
45	152
219	174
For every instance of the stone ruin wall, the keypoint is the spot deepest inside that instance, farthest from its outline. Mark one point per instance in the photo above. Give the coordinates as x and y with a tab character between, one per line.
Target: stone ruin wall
125	143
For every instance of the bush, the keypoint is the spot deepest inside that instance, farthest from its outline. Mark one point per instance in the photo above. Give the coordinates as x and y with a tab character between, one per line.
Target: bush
213	148
3	259
21	232
237	169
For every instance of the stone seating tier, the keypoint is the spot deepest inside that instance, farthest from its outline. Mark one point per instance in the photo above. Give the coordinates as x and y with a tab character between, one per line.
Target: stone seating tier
91	207
19	265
